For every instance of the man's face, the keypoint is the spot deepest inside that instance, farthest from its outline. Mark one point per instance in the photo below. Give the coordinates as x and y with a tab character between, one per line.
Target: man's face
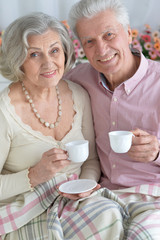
105	42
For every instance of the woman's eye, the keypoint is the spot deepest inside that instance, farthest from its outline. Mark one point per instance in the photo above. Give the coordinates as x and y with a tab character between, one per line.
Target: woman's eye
55	50
34	54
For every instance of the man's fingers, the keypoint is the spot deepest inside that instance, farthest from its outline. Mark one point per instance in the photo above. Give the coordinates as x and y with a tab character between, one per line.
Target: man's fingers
138	132
141	140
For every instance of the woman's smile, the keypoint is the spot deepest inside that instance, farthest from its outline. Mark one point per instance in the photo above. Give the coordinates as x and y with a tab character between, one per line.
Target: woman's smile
49	74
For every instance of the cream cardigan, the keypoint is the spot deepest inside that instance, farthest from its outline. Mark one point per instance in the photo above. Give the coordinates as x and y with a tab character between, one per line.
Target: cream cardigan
22	147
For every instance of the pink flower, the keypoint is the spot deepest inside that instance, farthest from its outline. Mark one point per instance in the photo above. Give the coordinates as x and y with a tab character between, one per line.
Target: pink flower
76	52
153	54
148	45
136	44
155	34
76	43
158	53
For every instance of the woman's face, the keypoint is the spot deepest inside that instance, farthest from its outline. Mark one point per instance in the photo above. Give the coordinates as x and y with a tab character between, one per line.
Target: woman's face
44	65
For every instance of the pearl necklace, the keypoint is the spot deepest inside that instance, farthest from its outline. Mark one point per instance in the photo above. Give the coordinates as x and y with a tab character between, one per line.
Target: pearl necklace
42	121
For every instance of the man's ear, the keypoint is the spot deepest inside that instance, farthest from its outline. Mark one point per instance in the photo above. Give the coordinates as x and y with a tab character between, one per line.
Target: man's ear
129	31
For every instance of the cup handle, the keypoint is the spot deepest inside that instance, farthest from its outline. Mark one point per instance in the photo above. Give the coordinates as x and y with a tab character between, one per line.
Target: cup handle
62	146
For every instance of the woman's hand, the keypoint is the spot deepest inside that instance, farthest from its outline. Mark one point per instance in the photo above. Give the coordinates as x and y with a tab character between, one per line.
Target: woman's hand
51	162
145	147
80	195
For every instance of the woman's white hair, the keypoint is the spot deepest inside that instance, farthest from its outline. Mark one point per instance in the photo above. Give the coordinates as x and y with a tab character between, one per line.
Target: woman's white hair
13	51
90	8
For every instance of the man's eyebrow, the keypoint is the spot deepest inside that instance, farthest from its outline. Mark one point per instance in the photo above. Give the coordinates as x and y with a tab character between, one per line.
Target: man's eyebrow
107	28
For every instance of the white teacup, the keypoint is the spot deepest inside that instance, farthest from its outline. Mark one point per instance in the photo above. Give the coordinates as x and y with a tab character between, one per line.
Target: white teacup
78	150
120	141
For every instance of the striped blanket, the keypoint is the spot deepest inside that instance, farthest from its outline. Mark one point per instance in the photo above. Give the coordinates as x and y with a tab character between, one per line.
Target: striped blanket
132	214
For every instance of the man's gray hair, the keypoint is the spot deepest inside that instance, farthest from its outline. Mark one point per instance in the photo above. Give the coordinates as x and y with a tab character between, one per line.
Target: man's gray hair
90	8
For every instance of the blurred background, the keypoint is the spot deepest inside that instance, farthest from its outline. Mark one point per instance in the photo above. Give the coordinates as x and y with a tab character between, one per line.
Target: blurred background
141	11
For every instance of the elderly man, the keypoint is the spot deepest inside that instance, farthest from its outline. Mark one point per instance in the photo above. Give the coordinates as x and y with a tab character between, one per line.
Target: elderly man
124	89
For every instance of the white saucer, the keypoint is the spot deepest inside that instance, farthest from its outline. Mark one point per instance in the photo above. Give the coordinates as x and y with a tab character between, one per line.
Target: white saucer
77	186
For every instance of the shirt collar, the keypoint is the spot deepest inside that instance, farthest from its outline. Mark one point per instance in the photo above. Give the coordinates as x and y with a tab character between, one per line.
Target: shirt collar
104	82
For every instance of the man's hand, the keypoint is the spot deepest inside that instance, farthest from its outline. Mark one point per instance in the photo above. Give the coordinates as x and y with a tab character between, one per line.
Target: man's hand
145	147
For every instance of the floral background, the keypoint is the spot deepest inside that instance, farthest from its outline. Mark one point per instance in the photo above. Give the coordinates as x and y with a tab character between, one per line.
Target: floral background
147	41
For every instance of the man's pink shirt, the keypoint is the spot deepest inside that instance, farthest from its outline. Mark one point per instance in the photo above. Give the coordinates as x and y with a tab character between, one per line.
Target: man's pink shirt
133	104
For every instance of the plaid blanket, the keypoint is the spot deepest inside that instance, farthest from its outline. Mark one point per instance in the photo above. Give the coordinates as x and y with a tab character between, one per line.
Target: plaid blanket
30	204
132	214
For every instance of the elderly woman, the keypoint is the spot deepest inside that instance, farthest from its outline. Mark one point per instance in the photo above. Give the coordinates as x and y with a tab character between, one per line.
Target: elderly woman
39	112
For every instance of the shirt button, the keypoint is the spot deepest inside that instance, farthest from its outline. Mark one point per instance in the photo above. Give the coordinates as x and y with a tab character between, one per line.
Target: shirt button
115	99
113	123
114	165
128	90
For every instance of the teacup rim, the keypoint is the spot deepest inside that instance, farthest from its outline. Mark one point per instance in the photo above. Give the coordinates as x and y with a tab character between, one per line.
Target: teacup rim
121	132
81	141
